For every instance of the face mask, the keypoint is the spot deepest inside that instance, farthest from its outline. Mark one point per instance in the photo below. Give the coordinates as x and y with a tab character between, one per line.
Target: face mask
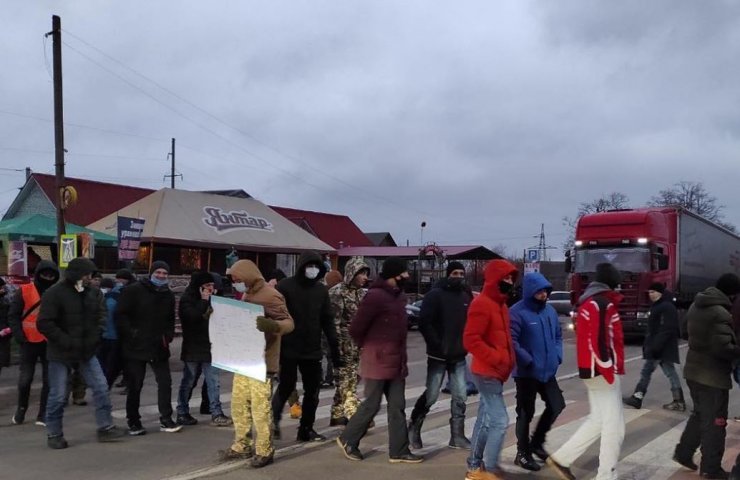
105	290
79	286
505	287
312	272
119	284
157	282
240	287
456	282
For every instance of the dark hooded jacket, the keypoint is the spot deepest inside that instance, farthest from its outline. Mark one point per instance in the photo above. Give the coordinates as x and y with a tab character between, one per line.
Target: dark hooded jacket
72	321
487	334
661	341
713	347
145	318
17	306
536	333
309	306
195	314
442	318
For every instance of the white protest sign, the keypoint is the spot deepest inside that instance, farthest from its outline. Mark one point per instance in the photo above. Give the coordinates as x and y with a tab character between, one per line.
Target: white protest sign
236	344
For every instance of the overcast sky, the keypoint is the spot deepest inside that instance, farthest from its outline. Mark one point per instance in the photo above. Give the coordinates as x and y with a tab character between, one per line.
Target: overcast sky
484	119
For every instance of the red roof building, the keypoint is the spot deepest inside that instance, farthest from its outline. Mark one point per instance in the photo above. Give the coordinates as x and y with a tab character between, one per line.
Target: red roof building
339	231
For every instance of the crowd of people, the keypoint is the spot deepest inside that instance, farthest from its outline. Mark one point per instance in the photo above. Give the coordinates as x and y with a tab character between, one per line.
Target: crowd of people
86	330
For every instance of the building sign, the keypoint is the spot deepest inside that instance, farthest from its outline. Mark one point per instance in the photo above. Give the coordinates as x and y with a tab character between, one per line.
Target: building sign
532	267
87	242
67	249
223	222
129	237
17	259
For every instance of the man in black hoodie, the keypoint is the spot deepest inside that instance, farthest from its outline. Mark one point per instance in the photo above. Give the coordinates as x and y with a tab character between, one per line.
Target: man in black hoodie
72	317
308	303
441	322
22	315
145	318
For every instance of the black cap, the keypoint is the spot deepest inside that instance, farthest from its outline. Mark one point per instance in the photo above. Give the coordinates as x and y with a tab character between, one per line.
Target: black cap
393	267
125	274
79	267
607	274
159	264
657	287
198	279
452	266
729	284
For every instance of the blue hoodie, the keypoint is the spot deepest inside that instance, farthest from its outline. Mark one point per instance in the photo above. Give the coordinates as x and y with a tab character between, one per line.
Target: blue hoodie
536	333
111	300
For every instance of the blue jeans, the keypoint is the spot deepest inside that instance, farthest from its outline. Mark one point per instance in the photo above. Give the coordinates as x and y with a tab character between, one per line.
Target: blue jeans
490	426
647	371
435	374
95	379
190	372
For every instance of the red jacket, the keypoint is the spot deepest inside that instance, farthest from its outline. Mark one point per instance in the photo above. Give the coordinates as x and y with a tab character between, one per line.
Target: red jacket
487	334
599	337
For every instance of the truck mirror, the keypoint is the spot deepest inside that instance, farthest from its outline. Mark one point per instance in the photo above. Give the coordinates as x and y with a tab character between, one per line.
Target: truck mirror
662	262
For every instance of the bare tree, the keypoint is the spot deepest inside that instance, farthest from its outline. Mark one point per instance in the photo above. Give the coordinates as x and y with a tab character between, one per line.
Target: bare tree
693	197
610	201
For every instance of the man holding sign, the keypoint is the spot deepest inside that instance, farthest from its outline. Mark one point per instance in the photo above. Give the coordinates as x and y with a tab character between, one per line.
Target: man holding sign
250	398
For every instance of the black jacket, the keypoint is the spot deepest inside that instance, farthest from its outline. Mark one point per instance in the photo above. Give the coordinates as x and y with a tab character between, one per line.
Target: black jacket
71	321
308	304
194	315
17	306
145	318
661	342
442	320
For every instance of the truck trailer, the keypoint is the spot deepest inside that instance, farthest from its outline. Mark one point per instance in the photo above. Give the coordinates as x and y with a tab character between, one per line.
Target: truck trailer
669	245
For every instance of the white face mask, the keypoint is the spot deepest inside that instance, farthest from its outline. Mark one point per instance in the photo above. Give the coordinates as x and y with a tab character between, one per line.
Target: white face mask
240	287
105	290
312	272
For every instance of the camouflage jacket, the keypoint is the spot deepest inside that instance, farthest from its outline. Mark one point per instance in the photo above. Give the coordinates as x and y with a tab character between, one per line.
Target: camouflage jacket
345	299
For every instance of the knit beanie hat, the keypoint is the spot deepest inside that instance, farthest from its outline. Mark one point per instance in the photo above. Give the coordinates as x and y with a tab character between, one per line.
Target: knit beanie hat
159	264
729	284
657	287
107	282
198	279
125	274
607	274
452	266
393	267
79	267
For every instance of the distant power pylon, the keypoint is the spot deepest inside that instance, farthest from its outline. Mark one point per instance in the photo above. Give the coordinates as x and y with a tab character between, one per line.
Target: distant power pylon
542	247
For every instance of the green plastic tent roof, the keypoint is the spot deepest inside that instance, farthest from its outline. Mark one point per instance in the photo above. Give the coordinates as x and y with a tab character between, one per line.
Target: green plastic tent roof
42	229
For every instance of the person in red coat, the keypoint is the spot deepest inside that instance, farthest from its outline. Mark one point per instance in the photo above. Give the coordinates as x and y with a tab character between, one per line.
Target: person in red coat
487	337
600	352
379	330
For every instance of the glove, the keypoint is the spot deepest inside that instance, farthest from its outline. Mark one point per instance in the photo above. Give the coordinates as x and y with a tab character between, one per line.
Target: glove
267	325
5	332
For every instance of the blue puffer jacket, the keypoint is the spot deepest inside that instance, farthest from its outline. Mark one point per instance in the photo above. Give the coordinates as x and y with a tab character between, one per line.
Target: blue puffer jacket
535	330
111	299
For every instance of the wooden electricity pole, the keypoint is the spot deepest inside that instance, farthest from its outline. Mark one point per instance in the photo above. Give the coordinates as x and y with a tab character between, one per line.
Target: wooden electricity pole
56	35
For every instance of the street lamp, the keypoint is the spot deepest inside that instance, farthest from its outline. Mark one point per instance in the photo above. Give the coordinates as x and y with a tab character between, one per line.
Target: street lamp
418	263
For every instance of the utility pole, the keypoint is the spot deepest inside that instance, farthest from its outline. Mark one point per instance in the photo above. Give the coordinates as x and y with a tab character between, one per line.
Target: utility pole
543	247
56	36
172	175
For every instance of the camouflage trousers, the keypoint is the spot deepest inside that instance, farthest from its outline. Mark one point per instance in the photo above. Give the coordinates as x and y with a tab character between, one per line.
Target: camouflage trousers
346	401
252	415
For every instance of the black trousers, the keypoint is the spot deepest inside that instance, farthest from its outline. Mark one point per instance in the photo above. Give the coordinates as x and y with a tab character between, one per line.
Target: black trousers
398	436
110	356
706	427
527	390
311	376
135	374
31	353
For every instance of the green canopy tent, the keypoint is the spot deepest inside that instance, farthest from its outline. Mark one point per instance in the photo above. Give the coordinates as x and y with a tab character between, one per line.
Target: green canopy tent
42	229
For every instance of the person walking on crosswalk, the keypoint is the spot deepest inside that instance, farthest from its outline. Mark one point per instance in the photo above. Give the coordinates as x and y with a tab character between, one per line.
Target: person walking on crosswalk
487	336
442	320
379	329
600	352
538	342
713	351
660	348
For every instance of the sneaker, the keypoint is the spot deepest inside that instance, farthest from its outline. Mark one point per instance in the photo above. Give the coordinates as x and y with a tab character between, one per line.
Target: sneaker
406	458
338	422
720	474
350	451
230	454
296	410
326	385
540	453
276	432
57	443
110	434
685	462
633	401
563	472
259	461
186	419
79	402
526	461
167	425
40	422
309	435
480	474
19	416
221	421
135	429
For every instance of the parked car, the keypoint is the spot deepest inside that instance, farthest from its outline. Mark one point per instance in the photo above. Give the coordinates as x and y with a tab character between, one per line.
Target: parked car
412	314
560	300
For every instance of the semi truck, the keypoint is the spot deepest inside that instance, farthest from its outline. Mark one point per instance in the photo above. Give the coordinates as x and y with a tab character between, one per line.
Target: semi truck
670	245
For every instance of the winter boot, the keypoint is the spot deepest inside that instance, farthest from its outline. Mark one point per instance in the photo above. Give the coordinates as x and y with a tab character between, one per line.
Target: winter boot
457	434
678	404
415	431
635	401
